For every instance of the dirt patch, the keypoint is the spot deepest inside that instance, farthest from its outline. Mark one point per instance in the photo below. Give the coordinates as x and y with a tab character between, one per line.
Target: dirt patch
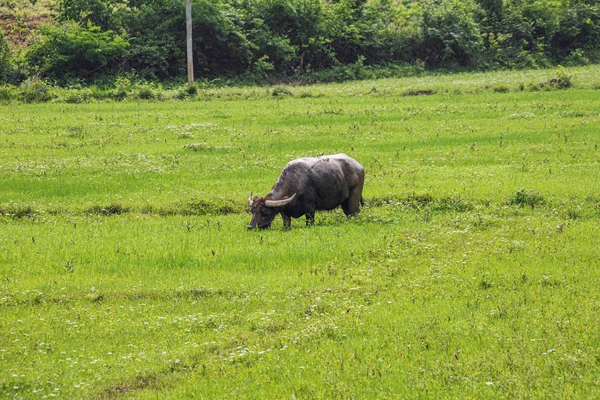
140	383
19	19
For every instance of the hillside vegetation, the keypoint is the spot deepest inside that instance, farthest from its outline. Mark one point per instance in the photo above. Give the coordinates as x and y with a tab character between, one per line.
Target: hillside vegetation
126	269
20	18
265	40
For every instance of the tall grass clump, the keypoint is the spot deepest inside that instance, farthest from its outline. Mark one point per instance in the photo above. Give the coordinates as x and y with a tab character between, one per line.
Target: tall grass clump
527	197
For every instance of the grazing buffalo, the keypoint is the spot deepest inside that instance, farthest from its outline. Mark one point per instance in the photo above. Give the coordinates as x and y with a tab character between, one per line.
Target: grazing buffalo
309	184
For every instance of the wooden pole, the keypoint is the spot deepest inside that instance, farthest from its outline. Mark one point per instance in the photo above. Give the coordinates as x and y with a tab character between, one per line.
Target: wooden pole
188	24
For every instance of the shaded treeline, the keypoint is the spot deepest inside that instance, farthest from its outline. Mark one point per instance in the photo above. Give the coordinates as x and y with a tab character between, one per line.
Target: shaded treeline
257	39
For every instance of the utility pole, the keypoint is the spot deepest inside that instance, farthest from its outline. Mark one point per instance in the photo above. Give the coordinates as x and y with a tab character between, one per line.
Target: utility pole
188	24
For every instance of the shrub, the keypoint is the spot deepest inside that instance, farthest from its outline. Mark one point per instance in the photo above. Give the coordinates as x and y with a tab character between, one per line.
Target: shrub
191	90
77	96
35	91
262	67
72	51
563	80
158	45
146	92
509	34
8	94
122	88
575	58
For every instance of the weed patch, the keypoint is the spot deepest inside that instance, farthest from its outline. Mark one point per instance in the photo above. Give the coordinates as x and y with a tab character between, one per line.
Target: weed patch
280	91
422	202
501	89
527	198
563	80
418	92
18	211
213	207
111	209
199	147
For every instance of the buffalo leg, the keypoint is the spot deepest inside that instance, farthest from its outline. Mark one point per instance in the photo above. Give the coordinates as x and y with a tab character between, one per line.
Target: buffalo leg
287	220
354	201
346	208
310	218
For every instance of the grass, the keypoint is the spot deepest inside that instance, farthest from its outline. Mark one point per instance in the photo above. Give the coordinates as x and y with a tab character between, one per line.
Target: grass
126	269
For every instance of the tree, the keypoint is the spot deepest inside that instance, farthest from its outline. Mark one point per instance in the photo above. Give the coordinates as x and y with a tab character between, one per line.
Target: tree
451	35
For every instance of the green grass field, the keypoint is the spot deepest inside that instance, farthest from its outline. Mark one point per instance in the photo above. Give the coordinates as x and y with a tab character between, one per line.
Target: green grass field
126	269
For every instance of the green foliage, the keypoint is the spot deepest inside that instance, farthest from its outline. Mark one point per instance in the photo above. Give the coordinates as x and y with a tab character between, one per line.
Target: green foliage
107	14
577	57
578	32
451	35
301	24
35	91
563	79
269	48
526	34
5	58
223	48
260	40
8	94
146	92
71	51
493	9
263	67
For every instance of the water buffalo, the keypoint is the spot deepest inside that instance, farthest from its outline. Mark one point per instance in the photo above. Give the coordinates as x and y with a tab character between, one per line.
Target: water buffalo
309	184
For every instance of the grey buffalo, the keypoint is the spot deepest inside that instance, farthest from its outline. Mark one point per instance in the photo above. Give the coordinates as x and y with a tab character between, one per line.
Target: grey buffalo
309	184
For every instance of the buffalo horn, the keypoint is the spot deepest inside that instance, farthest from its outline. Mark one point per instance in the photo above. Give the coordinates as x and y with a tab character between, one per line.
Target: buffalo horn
250	200
280	203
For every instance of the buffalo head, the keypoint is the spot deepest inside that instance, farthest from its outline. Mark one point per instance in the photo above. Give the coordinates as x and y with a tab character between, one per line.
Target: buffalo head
264	211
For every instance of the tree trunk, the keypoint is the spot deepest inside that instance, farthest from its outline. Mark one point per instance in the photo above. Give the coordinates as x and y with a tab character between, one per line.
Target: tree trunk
188	24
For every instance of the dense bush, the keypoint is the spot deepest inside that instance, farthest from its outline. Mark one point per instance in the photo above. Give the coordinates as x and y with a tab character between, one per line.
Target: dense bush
578	31
536	33
451	35
70	50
